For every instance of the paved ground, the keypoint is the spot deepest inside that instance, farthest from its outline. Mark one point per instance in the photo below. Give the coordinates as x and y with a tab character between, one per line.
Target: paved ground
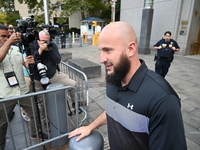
183	76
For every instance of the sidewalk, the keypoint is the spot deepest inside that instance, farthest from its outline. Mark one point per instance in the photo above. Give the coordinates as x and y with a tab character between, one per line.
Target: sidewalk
183	77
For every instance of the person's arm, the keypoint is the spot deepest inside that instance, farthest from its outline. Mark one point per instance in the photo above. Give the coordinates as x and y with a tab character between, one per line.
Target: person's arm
176	46
175	49
6	46
157	47
86	130
29	60
53	53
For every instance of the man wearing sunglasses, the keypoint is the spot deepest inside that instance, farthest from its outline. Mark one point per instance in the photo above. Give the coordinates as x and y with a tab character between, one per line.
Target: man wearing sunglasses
12	79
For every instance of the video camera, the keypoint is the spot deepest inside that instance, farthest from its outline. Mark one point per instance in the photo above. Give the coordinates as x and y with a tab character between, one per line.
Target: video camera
50	29
28	32
27	28
28	35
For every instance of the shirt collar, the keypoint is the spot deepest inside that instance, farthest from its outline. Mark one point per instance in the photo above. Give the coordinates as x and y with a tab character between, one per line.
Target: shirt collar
137	78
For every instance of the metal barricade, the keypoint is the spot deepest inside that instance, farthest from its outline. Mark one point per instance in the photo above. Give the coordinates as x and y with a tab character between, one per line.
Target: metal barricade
22	139
82	88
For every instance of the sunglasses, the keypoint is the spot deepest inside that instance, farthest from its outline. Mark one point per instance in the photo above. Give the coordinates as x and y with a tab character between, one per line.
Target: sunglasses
5	36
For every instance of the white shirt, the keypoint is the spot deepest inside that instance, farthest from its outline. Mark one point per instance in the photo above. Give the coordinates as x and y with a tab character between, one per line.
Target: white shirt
12	62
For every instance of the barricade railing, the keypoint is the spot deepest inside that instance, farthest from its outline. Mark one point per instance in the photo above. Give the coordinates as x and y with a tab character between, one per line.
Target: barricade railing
23	135
74	121
82	88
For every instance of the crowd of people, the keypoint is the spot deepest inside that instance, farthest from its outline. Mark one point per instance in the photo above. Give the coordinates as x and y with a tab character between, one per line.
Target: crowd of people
142	110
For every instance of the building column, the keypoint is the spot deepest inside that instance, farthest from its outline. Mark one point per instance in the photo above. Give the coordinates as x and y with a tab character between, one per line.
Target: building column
145	33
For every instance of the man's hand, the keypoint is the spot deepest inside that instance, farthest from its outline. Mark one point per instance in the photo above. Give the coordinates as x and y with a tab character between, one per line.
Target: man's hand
29	60
157	47
5	45
86	130
15	37
174	48
42	46
82	131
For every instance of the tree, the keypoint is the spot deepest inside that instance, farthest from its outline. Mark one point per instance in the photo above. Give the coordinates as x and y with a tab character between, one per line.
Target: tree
96	8
2	18
11	17
8	14
71	7
7	5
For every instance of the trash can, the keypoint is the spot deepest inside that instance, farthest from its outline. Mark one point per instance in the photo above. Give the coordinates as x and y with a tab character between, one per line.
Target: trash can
92	142
58	121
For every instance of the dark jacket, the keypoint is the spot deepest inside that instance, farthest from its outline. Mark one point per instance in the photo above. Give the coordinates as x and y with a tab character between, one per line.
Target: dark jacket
50	59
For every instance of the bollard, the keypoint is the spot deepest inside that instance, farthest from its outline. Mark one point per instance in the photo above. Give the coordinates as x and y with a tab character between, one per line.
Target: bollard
80	41
92	142
73	37
70	40
57	41
76	35
95	38
58	121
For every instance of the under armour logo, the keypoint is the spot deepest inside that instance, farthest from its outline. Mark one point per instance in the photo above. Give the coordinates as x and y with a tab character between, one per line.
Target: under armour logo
130	106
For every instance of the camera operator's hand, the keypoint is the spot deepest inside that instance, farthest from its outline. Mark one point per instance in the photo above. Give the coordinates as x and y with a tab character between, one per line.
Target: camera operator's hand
42	46
29	60
15	37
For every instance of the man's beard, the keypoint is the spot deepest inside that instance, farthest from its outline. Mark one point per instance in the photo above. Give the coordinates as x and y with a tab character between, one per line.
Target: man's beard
120	71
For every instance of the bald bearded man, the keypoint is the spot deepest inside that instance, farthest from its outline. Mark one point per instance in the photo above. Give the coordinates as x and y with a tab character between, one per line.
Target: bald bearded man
142	110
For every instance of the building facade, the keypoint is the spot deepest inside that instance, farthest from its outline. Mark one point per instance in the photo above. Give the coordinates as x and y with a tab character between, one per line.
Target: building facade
181	17
72	22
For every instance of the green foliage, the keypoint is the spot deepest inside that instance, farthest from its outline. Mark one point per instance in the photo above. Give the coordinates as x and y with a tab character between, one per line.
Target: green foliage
9	17
96	8
31	3
71	7
40	18
7	5
12	16
2	18
75	30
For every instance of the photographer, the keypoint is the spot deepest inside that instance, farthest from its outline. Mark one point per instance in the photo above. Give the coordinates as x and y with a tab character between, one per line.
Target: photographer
11	29
46	53
12	80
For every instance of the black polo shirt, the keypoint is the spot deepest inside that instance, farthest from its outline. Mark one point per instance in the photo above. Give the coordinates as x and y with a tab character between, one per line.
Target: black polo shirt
145	114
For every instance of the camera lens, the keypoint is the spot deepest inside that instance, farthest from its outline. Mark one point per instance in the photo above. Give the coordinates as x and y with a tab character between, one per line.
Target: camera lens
49	44
28	37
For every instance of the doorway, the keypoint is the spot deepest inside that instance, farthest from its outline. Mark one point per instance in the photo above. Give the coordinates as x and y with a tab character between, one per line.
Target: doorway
196	45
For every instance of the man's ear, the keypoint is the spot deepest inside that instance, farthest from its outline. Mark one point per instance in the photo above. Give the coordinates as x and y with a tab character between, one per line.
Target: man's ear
131	49
38	41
